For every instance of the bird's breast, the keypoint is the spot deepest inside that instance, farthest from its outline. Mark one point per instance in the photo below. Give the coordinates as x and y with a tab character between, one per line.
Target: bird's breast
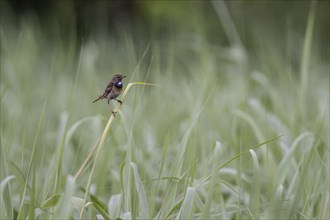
114	93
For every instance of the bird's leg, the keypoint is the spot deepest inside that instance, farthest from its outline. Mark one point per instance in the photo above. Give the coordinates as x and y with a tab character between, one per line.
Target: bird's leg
119	101
114	113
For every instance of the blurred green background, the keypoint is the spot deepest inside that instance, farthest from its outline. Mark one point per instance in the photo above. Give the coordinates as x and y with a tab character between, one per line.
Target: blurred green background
232	75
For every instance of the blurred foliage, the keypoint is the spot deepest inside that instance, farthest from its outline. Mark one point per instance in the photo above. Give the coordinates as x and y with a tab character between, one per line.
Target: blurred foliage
230	76
165	17
183	23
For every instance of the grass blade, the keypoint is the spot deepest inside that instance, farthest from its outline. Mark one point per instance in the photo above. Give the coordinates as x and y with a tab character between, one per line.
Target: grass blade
305	60
144	209
64	208
114	206
5	196
187	205
98	208
255	194
214	175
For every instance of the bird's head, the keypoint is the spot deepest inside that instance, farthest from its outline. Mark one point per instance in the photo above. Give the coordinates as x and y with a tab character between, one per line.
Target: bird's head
118	78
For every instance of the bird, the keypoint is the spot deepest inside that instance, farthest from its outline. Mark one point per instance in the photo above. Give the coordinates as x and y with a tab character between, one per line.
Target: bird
113	90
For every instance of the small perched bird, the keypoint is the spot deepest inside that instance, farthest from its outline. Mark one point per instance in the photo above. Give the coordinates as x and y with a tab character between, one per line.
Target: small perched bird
113	90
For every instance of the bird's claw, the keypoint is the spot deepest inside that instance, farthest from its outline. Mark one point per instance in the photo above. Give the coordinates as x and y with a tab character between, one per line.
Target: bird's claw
120	102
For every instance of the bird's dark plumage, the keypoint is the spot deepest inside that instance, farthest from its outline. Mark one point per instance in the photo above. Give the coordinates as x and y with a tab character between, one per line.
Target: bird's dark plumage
113	89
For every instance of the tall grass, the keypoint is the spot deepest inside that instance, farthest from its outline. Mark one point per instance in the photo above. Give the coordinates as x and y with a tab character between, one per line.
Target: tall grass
229	133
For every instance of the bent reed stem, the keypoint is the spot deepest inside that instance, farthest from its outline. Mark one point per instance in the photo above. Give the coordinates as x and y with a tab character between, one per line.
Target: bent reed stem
100	143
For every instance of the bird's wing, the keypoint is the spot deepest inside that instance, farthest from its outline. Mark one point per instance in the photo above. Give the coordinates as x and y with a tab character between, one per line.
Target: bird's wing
107	90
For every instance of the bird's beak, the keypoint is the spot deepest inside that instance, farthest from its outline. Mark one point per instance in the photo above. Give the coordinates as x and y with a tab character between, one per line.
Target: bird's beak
123	77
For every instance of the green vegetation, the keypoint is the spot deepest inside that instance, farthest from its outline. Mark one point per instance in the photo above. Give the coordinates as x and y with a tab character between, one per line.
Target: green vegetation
238	127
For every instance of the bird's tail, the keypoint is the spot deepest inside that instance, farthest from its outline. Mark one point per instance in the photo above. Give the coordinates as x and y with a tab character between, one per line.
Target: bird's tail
97	99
